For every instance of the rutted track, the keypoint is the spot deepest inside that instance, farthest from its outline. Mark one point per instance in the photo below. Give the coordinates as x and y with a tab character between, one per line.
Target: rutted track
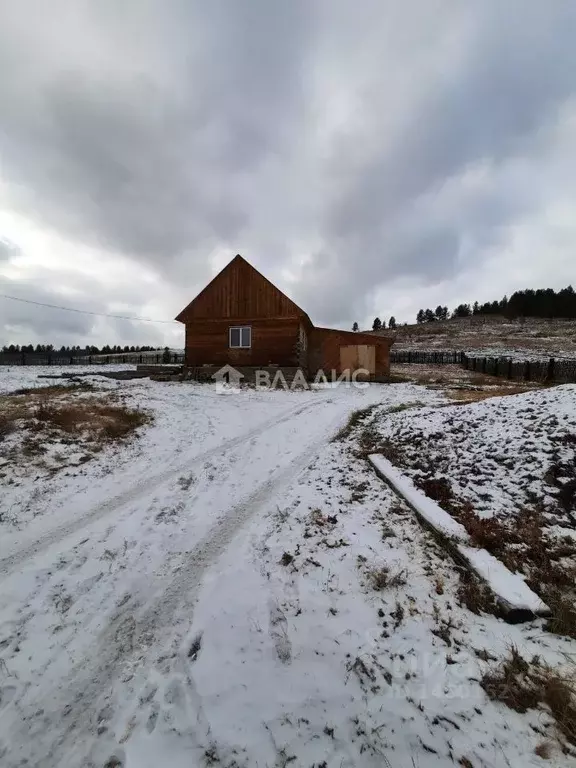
137	491
143	607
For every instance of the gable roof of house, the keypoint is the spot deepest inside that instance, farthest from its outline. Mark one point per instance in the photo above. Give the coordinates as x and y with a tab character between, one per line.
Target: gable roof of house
240	290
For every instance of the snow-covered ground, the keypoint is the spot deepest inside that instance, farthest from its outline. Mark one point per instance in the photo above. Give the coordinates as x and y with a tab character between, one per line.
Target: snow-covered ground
204	595
14	377
500	454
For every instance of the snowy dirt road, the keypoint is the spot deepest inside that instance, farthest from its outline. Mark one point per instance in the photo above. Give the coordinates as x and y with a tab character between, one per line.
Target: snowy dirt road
89	589
203	596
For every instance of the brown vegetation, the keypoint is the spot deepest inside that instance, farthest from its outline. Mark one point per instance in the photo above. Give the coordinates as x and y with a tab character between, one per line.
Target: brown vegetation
59	415
524	685
382	578
475	594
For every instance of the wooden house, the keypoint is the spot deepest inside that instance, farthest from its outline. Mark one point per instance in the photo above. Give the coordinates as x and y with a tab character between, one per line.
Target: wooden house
241	319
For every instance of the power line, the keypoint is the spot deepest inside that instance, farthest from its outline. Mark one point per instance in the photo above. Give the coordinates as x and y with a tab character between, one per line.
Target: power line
84	311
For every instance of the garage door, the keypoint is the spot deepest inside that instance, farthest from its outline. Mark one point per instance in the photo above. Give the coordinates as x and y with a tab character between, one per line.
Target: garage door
358	356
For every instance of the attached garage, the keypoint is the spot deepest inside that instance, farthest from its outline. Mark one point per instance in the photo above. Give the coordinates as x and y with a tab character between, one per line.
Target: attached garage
330	349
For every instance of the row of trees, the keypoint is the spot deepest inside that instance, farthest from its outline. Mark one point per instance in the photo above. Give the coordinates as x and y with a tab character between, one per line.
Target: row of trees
378	325
430	315
78	351
543	302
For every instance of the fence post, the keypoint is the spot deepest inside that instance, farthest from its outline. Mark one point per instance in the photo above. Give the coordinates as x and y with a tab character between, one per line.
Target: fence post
509	367
23	359
484	364
49	359
527	370
550	370
409	356
496	366
140	359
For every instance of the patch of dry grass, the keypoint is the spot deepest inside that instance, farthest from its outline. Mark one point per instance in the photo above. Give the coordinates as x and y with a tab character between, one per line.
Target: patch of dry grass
475	594
53	390
55	416
563	618
355	419
6	426
383	578
101	420
523	685
476	395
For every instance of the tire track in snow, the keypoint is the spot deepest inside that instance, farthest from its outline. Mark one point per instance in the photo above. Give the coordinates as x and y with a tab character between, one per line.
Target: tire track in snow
137	491
134	630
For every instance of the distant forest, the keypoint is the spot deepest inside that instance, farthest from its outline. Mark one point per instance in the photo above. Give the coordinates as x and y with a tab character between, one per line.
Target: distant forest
76	351
543	302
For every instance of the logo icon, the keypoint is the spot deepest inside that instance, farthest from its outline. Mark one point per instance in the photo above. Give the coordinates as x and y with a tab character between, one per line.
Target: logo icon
227	380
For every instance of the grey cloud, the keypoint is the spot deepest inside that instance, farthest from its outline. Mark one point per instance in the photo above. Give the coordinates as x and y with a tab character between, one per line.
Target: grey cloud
40	322
25	321
170	130
514	78
152	162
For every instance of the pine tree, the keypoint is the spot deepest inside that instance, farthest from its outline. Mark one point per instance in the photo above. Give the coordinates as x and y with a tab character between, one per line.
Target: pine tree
429	316
462	310
377	324
392	323
438	312
355	327
420	316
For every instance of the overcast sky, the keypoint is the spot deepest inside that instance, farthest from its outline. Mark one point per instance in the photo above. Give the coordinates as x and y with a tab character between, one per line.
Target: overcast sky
370	157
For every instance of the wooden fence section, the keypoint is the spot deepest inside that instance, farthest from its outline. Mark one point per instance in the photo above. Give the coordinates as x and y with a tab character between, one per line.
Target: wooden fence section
128	358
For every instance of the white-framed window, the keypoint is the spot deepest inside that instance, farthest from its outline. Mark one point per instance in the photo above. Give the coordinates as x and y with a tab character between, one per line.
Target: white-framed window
240	337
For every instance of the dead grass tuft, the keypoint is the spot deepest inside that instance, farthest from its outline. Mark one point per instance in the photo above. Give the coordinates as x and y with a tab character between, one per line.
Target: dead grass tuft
383	578
475	595
524	685
544	750
563	618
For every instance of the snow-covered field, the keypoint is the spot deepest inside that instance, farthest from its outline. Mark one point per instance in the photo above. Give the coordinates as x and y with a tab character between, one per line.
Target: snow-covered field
205	595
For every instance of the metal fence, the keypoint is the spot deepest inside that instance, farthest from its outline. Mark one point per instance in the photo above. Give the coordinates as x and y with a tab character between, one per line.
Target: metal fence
127	358
560	371
428	358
